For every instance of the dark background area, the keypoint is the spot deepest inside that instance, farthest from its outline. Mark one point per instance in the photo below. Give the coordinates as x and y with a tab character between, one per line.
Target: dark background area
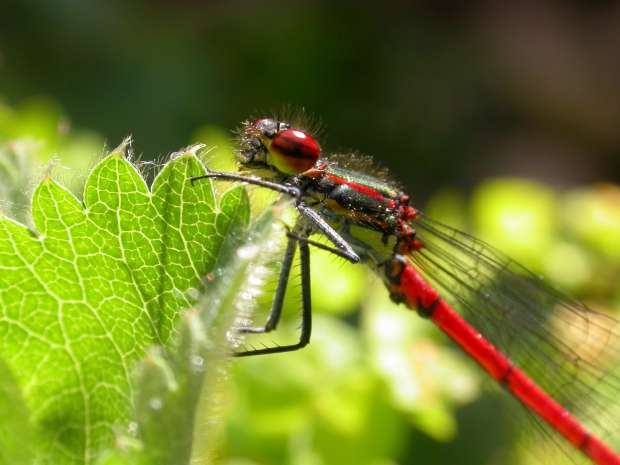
443	93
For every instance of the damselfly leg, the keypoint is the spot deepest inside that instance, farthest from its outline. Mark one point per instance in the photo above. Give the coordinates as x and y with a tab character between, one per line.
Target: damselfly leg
310	221
278	302
316	222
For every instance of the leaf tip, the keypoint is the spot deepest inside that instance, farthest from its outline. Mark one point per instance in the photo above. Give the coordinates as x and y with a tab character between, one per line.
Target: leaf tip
121	149
188	152
47	179
195	148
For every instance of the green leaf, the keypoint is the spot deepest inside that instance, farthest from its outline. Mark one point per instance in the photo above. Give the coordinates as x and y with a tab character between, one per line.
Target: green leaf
84	295
15	428
179	390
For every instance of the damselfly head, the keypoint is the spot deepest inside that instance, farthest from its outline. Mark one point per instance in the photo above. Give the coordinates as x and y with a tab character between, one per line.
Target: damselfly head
265	128
268	143
252	152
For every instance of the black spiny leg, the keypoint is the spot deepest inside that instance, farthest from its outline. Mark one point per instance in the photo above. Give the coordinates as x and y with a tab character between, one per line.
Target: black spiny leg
343	249
278	300
318	245
274	186
276	309
346	251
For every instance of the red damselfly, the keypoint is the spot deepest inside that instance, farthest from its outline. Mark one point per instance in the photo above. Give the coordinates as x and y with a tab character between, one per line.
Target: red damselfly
548	350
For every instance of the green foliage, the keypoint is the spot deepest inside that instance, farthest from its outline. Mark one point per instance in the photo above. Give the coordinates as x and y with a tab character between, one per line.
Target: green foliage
38	131
515	215
97	283
15	427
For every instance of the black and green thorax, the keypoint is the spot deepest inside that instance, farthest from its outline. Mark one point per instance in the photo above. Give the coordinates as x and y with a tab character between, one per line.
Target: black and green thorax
361	199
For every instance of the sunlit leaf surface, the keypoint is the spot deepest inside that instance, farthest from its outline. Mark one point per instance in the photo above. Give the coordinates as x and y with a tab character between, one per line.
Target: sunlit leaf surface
96	283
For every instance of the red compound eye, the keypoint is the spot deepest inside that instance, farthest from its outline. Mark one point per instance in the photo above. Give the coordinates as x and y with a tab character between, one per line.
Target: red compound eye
293	151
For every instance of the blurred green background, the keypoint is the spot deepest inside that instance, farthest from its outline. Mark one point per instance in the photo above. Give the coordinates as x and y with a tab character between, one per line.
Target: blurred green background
501	118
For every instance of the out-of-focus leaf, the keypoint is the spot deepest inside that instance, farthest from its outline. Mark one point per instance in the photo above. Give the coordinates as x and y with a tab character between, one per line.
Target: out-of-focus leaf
425	380
16	171
449	207
337	286
568	265
516	216
594	216
323	400
39	127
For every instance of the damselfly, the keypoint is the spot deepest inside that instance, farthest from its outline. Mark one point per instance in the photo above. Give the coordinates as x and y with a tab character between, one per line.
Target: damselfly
551	352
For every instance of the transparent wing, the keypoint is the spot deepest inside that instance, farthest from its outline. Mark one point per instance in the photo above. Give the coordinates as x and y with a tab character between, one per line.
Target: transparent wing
571	351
